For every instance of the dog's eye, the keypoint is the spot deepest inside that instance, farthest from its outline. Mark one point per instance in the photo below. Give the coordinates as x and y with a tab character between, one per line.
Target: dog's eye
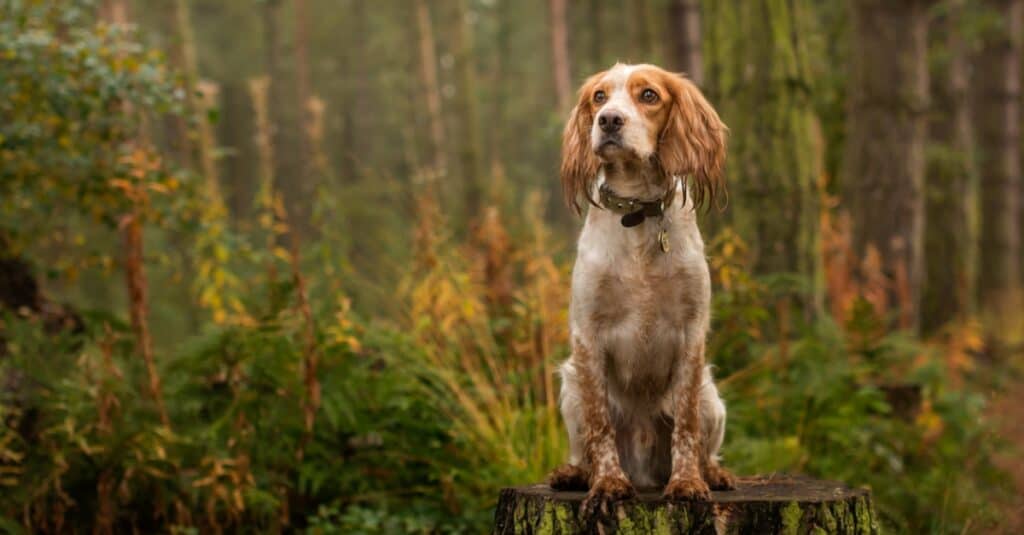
649	96
600	97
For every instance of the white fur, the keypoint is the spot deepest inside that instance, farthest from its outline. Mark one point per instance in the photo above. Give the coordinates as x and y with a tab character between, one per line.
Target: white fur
642	415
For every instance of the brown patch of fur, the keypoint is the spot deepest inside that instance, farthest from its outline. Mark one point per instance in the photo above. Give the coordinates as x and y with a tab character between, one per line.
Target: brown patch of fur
569	477
604	491
579	163
693	141
599	451
718	478
688	488
686	437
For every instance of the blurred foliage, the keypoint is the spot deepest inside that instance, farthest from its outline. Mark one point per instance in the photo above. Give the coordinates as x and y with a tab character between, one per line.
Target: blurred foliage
423	421
75	101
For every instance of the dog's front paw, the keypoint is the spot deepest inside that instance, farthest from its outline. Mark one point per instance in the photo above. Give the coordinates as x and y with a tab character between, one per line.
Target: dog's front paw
719	478
604	492
568	477
687	488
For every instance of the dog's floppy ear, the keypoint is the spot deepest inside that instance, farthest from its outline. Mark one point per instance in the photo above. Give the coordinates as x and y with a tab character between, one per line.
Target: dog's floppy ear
693	143
579	162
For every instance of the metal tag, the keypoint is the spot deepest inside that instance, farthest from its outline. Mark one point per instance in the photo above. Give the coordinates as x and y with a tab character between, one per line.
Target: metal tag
663	240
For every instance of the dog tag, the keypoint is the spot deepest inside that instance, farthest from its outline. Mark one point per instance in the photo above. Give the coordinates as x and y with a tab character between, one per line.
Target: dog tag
633	219
663	240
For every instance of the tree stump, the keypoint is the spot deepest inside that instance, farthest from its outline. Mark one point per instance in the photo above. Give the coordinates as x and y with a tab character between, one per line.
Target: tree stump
759	505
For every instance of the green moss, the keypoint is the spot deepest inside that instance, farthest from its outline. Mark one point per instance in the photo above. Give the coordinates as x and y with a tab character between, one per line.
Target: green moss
662	522
547	520
827	519
791	515
632	521
564	517
865	520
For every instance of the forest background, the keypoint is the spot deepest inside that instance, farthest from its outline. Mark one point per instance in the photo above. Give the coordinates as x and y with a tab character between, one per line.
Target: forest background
302	265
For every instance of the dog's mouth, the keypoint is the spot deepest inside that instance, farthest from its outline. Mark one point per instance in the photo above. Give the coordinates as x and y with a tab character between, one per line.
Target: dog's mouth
612	148
610	145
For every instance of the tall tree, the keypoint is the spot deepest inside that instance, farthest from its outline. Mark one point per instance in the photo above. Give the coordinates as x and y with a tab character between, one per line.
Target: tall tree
431	88
560	53
684	31
641	36
997	119
948	291
301	187
197	104
501	89
115	12
883	162
468	114
595	24
303	86
759	50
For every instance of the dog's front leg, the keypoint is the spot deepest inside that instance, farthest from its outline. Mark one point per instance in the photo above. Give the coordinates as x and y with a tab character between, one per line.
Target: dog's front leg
608	482
685	481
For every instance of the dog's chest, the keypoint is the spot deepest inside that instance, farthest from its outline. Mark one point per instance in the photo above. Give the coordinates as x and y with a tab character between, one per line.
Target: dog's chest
640	314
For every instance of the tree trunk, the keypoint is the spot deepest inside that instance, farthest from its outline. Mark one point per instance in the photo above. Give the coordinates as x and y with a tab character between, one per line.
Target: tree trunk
197	107
283	121
883	162
761	506
502	90
640	32
595	22
997	119
684	30
949	289
428	79
759	52
303	90
468	114
131	226
235	131
560	53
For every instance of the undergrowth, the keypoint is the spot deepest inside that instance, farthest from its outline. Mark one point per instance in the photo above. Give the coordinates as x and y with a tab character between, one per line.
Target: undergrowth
424	417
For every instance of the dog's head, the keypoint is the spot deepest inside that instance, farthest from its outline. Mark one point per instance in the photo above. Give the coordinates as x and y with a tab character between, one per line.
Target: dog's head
642	112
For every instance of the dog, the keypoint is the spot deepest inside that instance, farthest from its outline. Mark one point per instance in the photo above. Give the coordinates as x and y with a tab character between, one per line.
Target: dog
645	149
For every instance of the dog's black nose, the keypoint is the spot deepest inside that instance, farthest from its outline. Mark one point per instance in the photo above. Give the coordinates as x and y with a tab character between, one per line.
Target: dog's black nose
610	122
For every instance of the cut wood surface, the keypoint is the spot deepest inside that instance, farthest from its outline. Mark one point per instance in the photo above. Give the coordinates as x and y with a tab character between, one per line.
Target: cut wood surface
760	505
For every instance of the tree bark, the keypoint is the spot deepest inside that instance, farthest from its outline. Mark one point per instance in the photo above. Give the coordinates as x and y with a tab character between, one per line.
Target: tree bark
197	107
883	162
468	114
501	88
130	225
428	79
761	506
759	52
595	22
949	288
560	53
684	31
303	86
640	32
997	119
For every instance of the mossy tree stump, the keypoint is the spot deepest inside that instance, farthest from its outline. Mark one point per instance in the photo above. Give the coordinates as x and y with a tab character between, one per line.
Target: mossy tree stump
760	505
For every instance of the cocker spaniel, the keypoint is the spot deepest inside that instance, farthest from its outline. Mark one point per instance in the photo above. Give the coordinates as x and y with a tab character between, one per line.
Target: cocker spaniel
645	148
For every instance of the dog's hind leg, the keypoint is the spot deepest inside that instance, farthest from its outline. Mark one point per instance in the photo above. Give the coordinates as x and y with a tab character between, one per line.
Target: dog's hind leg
573	475
712	415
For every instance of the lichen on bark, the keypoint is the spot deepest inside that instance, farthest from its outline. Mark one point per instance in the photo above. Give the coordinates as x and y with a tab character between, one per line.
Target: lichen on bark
780	504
